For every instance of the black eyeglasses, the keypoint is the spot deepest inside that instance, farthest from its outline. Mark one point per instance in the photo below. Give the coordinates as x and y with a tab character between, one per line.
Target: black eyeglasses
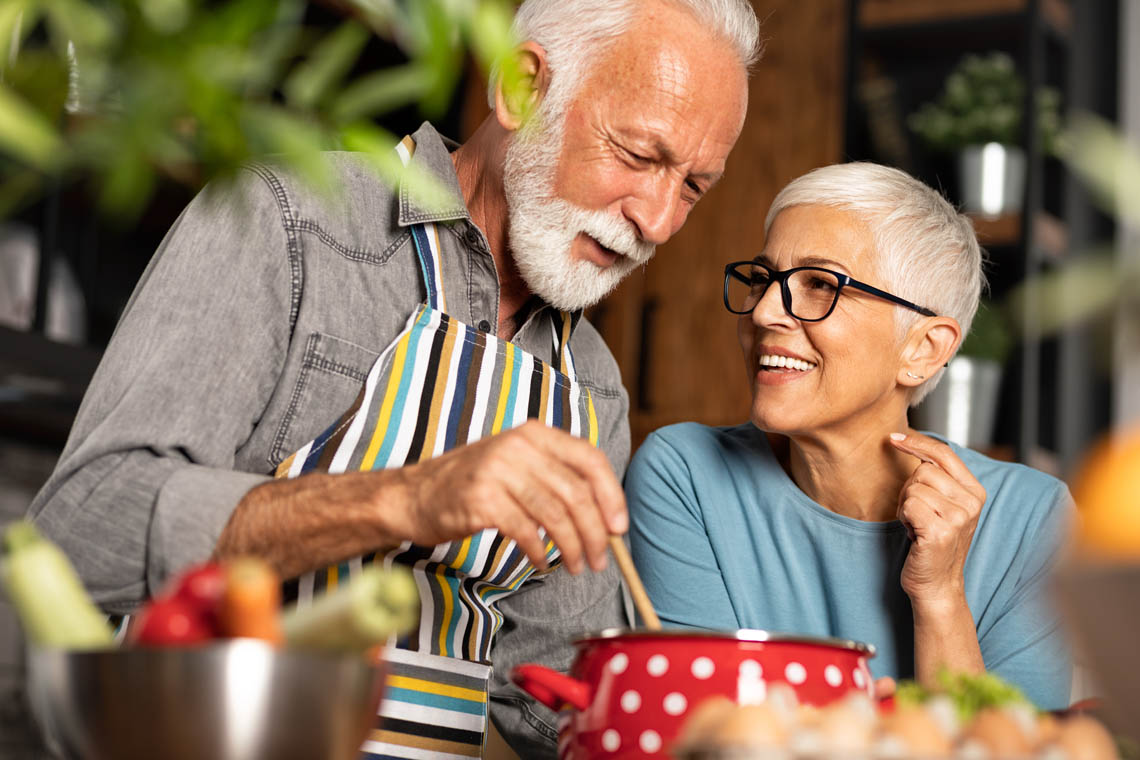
809	293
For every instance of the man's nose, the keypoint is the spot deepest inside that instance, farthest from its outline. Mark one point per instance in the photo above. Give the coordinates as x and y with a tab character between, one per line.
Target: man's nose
654	209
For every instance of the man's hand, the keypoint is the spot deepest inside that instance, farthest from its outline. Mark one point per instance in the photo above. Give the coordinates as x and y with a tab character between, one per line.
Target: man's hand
939	505
518	481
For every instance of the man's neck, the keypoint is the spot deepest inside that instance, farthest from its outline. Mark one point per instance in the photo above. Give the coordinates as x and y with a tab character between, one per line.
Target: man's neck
479	169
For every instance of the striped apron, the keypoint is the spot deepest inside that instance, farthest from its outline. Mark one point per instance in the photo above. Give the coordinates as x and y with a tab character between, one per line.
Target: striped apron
439	385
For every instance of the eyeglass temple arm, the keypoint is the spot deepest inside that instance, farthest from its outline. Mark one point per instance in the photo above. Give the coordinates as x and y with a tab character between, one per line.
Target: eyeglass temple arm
890	297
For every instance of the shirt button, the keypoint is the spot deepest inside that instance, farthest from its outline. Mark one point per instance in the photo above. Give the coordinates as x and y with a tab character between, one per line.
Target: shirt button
484	325
472	235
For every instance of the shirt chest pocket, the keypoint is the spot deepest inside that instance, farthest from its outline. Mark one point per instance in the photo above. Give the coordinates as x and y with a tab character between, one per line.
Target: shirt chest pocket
333	371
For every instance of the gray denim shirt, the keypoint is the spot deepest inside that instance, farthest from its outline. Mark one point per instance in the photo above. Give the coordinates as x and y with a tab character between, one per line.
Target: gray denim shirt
251	330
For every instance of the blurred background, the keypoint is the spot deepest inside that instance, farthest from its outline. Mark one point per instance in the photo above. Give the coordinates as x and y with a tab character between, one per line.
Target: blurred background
112	115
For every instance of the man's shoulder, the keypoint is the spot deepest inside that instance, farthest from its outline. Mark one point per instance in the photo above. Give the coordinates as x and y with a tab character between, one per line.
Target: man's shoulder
342	194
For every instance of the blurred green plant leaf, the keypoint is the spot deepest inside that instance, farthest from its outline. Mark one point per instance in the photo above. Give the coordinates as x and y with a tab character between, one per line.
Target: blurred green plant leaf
120	94
1088	287
17	17
330	61
26	134
1108	163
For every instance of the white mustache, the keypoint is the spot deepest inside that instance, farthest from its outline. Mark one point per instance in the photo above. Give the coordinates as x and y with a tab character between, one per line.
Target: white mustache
612	232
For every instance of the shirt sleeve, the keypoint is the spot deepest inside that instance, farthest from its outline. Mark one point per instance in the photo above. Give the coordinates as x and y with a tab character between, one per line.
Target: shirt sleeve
668	541
146	482
1026	644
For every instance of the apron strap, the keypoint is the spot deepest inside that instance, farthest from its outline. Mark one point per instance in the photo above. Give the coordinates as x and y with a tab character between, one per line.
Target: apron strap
560	340
426	240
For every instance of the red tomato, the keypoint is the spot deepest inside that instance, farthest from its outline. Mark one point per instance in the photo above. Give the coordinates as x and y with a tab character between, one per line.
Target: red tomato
202	586
171	621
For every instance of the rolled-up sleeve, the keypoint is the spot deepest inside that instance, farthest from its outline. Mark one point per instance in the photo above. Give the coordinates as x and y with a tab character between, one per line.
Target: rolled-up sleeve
146	482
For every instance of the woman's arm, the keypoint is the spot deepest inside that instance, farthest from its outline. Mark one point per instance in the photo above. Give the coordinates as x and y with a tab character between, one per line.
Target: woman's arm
940	504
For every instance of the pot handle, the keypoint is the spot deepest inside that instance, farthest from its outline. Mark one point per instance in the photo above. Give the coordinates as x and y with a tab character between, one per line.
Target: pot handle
550	687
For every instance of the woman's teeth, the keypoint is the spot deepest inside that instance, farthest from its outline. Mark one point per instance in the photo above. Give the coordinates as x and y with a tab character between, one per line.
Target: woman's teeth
785	362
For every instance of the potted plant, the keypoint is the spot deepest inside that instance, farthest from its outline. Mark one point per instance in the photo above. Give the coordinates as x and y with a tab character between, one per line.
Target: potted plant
963	407
978	117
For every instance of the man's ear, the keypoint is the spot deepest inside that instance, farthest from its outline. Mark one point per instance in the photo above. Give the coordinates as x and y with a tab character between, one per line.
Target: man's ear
522	83
929	346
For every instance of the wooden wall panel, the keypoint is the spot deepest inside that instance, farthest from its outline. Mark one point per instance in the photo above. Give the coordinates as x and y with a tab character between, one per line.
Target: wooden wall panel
689	361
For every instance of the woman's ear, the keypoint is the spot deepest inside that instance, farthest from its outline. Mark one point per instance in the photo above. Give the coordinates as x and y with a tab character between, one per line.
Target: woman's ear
522	83
929	347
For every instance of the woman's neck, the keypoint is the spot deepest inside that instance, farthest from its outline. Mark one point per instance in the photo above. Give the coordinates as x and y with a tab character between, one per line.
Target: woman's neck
855	475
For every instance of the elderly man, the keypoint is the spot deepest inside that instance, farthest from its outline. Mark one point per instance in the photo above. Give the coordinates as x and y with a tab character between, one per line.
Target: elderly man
384	359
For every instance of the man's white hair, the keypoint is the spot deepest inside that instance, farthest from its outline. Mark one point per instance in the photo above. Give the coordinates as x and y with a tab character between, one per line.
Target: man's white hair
574	33
927	252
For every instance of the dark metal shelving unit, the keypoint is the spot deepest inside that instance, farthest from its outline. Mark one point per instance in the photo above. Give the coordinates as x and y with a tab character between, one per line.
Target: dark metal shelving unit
1052	401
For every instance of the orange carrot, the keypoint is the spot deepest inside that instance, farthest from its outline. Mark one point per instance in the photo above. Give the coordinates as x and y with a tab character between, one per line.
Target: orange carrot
251	603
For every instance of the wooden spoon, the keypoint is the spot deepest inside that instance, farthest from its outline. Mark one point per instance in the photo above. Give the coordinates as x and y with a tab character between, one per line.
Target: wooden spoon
633	580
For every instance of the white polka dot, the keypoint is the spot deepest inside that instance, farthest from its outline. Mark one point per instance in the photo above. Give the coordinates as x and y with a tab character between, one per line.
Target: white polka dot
650	741
858	676
833	676
795	673
703	668
631	701
657	665
611	740
751	669
618	663
675	703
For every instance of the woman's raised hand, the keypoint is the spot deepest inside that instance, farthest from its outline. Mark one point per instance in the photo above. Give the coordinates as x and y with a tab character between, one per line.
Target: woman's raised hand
939	504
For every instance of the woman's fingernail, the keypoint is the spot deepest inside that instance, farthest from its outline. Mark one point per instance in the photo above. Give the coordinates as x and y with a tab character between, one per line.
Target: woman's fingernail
898	437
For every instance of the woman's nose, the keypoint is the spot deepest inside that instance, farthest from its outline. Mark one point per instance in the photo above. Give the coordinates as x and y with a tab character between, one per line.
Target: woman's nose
770	307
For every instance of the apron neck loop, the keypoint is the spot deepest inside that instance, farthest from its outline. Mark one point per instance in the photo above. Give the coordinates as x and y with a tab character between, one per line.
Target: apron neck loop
560	334
426	240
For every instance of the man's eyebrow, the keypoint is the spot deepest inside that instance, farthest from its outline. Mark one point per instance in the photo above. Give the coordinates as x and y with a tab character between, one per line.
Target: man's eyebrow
658	146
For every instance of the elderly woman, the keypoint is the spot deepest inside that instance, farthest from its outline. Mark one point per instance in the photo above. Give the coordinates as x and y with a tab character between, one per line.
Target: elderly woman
827	514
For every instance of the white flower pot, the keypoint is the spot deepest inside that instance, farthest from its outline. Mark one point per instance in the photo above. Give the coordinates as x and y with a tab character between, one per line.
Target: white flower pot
991	179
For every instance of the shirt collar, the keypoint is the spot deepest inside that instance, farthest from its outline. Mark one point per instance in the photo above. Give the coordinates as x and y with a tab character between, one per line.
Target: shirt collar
433	156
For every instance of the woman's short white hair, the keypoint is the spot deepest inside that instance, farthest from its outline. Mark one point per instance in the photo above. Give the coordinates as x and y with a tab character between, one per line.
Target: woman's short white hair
927	251
575	32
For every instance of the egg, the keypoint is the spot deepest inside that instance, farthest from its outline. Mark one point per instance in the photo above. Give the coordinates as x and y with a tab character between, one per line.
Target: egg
911	731
783	700
704	720
999	731
752	727
845	728
1084	738
941	708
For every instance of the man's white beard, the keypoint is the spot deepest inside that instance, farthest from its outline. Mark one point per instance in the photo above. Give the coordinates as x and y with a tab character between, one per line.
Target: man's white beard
543	227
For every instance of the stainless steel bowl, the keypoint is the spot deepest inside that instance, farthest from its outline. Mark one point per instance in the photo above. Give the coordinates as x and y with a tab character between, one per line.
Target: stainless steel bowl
236	700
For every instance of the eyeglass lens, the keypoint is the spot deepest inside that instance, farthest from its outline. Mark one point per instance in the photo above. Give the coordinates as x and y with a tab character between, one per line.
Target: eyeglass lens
812	291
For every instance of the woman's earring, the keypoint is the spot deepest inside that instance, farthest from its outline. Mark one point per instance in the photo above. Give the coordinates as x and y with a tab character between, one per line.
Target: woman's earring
913	376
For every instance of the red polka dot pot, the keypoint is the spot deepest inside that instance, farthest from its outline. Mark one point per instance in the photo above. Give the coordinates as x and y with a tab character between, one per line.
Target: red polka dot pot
628	692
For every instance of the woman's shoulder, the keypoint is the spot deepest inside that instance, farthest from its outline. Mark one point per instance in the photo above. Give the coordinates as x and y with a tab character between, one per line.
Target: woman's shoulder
693	439
1000	473
1018	497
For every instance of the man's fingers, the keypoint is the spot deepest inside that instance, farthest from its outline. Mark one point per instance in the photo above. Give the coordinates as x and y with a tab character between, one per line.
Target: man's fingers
560	500
544	508
591	465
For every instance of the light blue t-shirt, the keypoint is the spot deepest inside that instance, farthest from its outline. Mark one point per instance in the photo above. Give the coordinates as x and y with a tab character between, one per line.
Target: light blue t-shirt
724	539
